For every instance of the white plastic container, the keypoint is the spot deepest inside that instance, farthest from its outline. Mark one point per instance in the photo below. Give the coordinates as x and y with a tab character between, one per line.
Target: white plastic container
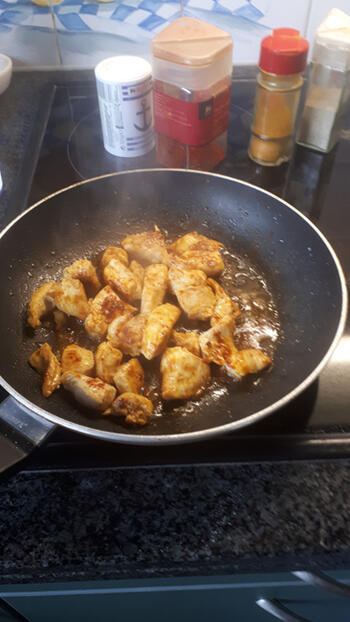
328	93
124	87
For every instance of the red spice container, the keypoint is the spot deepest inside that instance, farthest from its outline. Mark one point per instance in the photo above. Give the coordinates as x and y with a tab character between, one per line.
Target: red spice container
192	67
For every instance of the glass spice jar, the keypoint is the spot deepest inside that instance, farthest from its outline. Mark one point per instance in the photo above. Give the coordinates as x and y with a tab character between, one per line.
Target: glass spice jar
192	67
282	61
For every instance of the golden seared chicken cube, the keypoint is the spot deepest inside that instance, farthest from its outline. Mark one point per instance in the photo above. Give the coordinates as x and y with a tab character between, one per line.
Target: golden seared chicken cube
194	242
108	360
77	359
121	279
159	326
217	344
196	252
128	335
41	302
90	392
44	361
60	319
70	298
136	409
154	287
139	273
84	271
189	340
195	297
114	252
147	247
183	374
104	308
129	377
224	306
248	361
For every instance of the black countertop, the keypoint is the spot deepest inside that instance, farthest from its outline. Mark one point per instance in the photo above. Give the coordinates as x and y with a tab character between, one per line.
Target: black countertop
158	521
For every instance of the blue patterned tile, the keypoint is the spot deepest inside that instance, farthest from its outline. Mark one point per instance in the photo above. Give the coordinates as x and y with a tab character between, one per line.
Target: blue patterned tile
151	5
152	22
12	17
72	21
122	12
89	9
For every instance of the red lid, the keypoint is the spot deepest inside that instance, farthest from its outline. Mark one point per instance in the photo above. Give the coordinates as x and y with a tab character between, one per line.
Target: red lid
284	52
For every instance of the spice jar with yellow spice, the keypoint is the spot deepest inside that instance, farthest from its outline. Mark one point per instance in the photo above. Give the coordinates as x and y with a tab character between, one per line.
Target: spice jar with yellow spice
282	62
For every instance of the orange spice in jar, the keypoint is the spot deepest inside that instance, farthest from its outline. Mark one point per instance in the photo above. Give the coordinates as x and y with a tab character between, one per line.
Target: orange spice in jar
282	61
192	67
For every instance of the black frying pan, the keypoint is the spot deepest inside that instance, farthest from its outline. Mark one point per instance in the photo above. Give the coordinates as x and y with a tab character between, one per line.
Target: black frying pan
299	264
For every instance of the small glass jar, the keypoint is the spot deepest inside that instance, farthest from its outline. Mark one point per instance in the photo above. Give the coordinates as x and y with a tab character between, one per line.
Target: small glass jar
282	61
328	92
192	67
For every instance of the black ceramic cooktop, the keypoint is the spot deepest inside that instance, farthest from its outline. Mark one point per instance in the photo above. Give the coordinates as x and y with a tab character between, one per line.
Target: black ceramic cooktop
317	423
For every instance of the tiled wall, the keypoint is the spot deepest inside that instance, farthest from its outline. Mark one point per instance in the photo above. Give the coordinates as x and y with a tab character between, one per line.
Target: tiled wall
79	33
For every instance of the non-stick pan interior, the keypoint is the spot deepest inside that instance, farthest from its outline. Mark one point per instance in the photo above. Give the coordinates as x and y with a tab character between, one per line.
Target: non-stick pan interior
83	220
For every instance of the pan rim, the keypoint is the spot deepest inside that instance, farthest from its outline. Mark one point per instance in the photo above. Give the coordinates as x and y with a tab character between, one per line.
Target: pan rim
199	435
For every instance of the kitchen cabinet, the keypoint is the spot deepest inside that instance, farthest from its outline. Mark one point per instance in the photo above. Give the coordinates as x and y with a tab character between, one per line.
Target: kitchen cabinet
186	599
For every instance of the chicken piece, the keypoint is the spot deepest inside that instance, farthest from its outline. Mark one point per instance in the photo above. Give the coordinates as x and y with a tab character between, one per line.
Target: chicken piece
90	392
114	252
135	408
154	287
183	374
128	335
189	340
147	247
129	377
217	344
224	306
104	308
248	361
41	302
121	279
158	329
195	297
84	271
77	360
60	319
139	273
210	262
108	360
194	242
70	297
218	347
44	361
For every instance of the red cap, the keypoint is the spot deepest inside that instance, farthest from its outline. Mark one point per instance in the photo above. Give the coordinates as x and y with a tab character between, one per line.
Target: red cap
284	52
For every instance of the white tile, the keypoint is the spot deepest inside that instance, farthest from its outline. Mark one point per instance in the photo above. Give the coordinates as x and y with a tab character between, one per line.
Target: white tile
286	13
320	10
167	10
137	17
207	5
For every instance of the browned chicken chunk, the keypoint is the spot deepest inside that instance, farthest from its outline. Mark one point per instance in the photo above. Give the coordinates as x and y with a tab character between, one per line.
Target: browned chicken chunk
218	347
84	271
147	247
41	302
196	252
108	360
60	319
189	340
104	309
139	273
77	360
183	374
121	279
70	297
158	329
44	361
224	306
129	377
136	409
114	252
195	297
154	287
128	335
90	392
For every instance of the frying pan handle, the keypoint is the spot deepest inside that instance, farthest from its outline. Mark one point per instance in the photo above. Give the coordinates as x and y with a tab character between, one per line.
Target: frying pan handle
21	431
